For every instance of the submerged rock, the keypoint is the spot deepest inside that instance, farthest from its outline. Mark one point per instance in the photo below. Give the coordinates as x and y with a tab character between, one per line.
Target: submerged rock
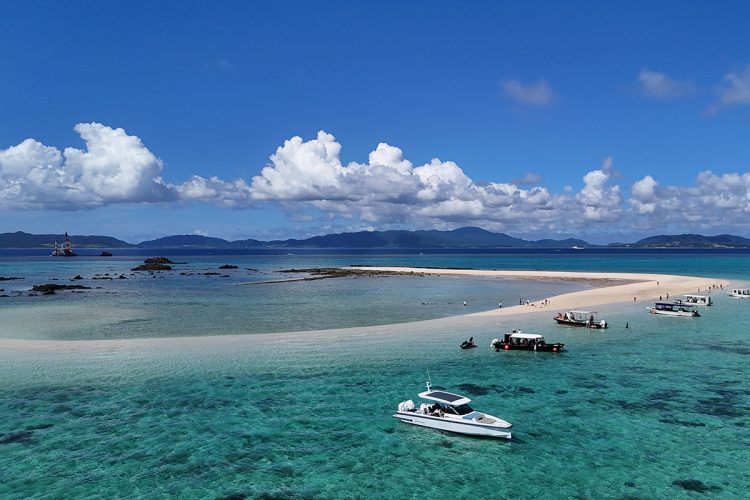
473	389
54	286
152	267
229	266
16	437
9	278
695	485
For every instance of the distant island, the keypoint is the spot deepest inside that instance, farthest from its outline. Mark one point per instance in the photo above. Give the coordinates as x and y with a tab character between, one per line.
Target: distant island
466	237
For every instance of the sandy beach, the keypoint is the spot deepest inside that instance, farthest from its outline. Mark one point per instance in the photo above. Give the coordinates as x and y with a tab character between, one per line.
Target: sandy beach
645	288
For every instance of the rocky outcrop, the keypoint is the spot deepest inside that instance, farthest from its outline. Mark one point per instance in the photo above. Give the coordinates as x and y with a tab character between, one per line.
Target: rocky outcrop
157	260
228	266
155	264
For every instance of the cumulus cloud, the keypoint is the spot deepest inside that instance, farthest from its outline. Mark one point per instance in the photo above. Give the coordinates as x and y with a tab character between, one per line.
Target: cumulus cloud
389	189
643	197
114	168
660	85
600	202
532	94
234	194
308	180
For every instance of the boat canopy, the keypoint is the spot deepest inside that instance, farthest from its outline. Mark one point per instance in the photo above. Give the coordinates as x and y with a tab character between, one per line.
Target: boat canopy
582	313
688	296
447	398
673	306
530	336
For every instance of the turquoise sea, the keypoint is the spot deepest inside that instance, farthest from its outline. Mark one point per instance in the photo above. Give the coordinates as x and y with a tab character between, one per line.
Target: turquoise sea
147	387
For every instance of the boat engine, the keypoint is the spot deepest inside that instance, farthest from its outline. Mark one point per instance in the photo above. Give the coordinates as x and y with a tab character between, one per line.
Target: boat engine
406	405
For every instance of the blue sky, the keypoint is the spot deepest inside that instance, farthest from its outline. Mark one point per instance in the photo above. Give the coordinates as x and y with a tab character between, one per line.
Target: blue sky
607	120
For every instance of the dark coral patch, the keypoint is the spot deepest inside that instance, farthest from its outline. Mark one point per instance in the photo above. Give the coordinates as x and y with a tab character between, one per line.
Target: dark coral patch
695	485
474	390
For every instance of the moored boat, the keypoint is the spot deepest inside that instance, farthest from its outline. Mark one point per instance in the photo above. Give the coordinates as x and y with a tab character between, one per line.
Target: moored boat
739	293
518	340
586	319
696	300
451	412
64	250
674	309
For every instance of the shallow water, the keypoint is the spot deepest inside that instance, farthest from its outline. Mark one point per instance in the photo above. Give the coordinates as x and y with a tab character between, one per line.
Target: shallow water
661	409
199	298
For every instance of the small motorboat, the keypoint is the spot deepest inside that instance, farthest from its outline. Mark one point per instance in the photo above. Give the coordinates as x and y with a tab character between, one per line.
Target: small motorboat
518	340
468	344
739	293
695	300
451	412
674	309
586	319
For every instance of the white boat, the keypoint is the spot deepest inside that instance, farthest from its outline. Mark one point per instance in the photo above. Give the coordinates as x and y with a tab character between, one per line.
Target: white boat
451	412
740	293
588	319
576	247
696	300
673	309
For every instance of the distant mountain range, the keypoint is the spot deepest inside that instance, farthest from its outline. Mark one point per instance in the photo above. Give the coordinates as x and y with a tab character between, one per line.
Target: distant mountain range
25	240
466	237
690	241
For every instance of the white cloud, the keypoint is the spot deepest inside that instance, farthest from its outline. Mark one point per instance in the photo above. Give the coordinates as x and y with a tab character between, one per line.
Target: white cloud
309	181
222	65
234	194
643	195
114	168
528	179
389	190
736	88
600	203
660	85
533	94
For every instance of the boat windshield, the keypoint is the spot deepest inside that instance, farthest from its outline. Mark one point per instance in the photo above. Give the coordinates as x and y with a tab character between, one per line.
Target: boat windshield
460	410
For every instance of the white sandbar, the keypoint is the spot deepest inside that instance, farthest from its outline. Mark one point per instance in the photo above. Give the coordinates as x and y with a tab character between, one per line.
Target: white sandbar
645	288
642	287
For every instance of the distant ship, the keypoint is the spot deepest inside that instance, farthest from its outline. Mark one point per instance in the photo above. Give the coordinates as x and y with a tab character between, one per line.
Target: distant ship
576	247
64	250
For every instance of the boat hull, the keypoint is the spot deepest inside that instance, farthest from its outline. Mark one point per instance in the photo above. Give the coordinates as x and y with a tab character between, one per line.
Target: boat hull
502	346
468	428
684	314
579	323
